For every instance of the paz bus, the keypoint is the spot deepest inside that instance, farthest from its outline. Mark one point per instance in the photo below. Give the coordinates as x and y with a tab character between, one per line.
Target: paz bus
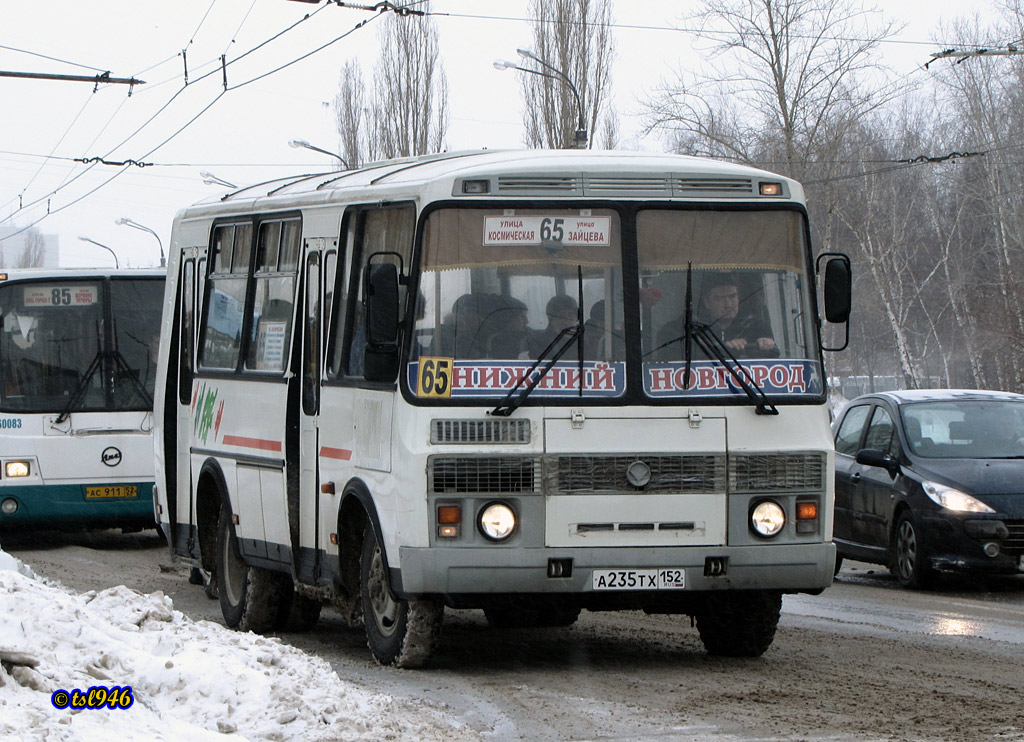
490	380
77	373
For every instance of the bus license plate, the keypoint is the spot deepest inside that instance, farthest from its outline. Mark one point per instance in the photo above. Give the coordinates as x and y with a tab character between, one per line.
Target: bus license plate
663	578
117	491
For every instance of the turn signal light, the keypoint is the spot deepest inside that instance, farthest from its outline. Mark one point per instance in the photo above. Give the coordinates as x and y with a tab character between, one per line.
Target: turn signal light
806	510
448	519
770	189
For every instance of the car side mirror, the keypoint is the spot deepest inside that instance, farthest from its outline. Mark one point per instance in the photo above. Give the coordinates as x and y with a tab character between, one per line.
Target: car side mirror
874	457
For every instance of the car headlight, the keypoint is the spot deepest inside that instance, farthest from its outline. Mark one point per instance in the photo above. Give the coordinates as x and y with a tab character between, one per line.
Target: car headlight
767	518
497	521
954	499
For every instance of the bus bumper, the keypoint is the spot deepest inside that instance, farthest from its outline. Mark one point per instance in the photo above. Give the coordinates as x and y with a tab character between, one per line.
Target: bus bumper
473	571
66	506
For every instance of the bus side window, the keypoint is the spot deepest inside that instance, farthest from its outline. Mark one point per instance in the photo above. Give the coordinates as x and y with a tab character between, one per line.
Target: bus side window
390	230
311	341
273	307
187	332
222	318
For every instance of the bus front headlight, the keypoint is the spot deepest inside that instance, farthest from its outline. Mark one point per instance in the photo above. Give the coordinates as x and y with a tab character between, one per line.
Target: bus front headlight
497	521
16	469
767	518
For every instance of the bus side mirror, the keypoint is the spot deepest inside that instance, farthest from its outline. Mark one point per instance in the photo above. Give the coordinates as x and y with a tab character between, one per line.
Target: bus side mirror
837	292
837	289
381	300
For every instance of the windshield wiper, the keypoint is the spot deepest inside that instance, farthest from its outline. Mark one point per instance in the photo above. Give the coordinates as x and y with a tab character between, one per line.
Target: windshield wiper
566	336
713	347
122	371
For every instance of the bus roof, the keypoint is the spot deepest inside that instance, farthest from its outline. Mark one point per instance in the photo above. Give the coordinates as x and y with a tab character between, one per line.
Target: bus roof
21	274
522	174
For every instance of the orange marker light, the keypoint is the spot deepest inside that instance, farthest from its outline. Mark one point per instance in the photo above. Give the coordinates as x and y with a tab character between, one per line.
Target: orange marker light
806	510
449	514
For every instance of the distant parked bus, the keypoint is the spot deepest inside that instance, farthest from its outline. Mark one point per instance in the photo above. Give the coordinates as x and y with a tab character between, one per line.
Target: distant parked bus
77	373
524	382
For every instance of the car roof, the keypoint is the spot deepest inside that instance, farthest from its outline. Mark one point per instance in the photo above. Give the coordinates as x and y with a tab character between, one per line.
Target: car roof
908	396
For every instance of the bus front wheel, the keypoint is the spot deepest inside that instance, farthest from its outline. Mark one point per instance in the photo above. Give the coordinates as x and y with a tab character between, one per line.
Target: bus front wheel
251	598
739	623
403	633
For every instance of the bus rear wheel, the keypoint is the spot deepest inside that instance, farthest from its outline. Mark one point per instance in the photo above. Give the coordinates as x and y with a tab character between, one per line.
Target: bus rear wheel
739	624
251	598
403	633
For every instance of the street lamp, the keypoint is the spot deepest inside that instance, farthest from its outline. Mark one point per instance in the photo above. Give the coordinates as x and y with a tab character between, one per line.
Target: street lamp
581	125
125	221
303	143
116	263
211	179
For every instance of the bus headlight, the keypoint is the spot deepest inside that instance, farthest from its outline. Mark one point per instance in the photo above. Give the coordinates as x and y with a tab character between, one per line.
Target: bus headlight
16	469
497	521
9	506
767	518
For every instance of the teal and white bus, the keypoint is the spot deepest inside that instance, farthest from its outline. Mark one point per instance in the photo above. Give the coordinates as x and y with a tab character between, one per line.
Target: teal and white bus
524	382
77	373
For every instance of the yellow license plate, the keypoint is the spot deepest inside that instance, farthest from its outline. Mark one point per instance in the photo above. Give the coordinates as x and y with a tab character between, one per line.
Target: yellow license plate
112	492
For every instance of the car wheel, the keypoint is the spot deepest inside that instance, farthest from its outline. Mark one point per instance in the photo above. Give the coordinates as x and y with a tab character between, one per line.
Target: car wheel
908	563
251	598
399	632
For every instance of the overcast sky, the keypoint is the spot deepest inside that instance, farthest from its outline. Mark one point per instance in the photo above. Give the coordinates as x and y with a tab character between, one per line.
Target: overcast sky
242	133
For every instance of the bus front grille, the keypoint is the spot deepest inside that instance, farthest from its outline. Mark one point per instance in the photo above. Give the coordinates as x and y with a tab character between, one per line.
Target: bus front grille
777	472
479	431
482	474
609	474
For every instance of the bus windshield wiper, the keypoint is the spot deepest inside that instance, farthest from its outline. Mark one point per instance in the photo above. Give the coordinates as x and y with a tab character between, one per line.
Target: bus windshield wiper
563	340
123	371
713	347
83	385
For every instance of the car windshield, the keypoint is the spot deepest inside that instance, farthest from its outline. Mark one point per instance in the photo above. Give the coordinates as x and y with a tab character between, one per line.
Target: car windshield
965	429
79	344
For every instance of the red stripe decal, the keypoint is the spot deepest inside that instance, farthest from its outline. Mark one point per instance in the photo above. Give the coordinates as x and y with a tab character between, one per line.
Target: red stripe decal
262	445
335	453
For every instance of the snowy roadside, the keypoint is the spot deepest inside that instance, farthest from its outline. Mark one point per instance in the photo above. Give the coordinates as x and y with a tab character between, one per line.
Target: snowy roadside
190	680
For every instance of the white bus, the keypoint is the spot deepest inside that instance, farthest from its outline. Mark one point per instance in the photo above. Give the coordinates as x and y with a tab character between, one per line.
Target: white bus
493	380
77	371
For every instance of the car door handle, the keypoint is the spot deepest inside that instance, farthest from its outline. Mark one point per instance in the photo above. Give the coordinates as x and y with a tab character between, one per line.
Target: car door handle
855	478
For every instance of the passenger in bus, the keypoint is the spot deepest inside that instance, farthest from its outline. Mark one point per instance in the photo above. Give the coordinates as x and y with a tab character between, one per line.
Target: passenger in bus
506	328
732	319
460	337
595	337
561	311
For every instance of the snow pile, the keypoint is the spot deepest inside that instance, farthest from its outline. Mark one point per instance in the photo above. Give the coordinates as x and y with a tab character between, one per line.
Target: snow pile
191	680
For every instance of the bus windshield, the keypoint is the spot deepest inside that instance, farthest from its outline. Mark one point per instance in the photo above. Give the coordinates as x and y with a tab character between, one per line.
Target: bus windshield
501	290
79	344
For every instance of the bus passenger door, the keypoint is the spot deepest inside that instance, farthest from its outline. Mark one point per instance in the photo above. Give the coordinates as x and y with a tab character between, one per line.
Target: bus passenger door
180	501
307	564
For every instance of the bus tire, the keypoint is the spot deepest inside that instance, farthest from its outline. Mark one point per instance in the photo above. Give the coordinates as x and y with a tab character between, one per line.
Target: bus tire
402	633
739	624
251	598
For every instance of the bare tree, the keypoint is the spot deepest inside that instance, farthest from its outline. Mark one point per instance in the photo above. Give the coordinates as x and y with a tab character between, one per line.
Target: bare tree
572	36
350	113
410	100
34	251
785	83
404	111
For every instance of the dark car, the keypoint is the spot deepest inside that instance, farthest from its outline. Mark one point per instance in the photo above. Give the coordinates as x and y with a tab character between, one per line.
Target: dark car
931	481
